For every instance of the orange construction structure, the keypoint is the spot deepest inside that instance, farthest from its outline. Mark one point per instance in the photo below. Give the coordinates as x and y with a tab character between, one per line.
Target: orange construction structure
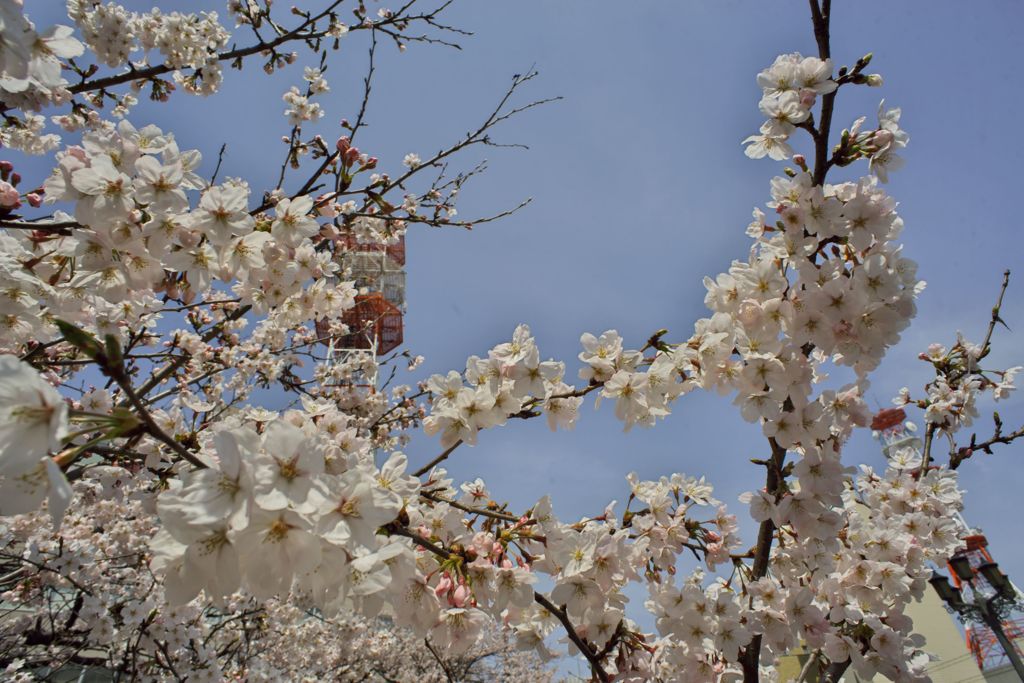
375	323
981	641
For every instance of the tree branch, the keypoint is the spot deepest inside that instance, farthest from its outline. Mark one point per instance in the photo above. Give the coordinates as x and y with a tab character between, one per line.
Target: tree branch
751	659
958	455
985	346
441	458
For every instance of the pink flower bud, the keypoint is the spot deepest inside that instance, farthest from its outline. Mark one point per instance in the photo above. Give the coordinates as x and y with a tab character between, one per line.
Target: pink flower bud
807	98
371	163
460	596
799	160
343	144
34	200
6	167
9	198
444	585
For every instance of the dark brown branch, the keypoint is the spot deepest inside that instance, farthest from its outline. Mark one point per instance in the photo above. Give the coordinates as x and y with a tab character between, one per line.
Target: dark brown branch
220	160
958	455
170	368
774	478
483	512
444	666
595	661
161	69
58	226
152	428
441	458
985	346
820	16
926	450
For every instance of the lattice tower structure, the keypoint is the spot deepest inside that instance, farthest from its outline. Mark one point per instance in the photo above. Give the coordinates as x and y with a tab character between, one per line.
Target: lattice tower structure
375	323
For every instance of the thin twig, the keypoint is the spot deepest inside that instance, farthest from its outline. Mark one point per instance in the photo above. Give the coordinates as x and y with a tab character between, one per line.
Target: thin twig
985	346
441	458
220	159
444	666
483	512
958	455
152	427
560	614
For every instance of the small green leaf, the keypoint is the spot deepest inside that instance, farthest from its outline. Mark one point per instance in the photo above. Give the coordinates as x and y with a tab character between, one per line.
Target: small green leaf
80	339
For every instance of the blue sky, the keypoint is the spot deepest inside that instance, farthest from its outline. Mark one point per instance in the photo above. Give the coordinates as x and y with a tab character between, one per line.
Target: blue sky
640	188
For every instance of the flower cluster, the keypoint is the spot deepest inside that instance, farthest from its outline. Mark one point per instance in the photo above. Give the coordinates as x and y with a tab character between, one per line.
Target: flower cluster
184	41
790	87
33	422
30	61
511	380
298	503
93	583
197	533
300	109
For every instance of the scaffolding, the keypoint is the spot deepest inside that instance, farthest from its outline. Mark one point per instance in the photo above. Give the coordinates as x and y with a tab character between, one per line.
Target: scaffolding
375	323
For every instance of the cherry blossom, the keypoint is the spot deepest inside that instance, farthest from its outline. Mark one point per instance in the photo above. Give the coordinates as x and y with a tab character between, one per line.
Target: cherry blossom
145	318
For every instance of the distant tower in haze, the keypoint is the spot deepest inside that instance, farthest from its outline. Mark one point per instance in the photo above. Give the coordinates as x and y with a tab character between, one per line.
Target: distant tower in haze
375	322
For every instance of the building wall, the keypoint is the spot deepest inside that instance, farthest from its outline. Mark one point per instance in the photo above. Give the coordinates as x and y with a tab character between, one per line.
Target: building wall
955	664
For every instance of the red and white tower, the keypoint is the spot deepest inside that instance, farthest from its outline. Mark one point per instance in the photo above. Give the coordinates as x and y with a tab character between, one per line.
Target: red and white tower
981	639
375	322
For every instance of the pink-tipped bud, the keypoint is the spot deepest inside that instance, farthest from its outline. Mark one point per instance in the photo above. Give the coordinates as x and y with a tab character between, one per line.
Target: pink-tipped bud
343	144
460	596
799	160
443	586
6	167
34	200
371	163
350	156
15	178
